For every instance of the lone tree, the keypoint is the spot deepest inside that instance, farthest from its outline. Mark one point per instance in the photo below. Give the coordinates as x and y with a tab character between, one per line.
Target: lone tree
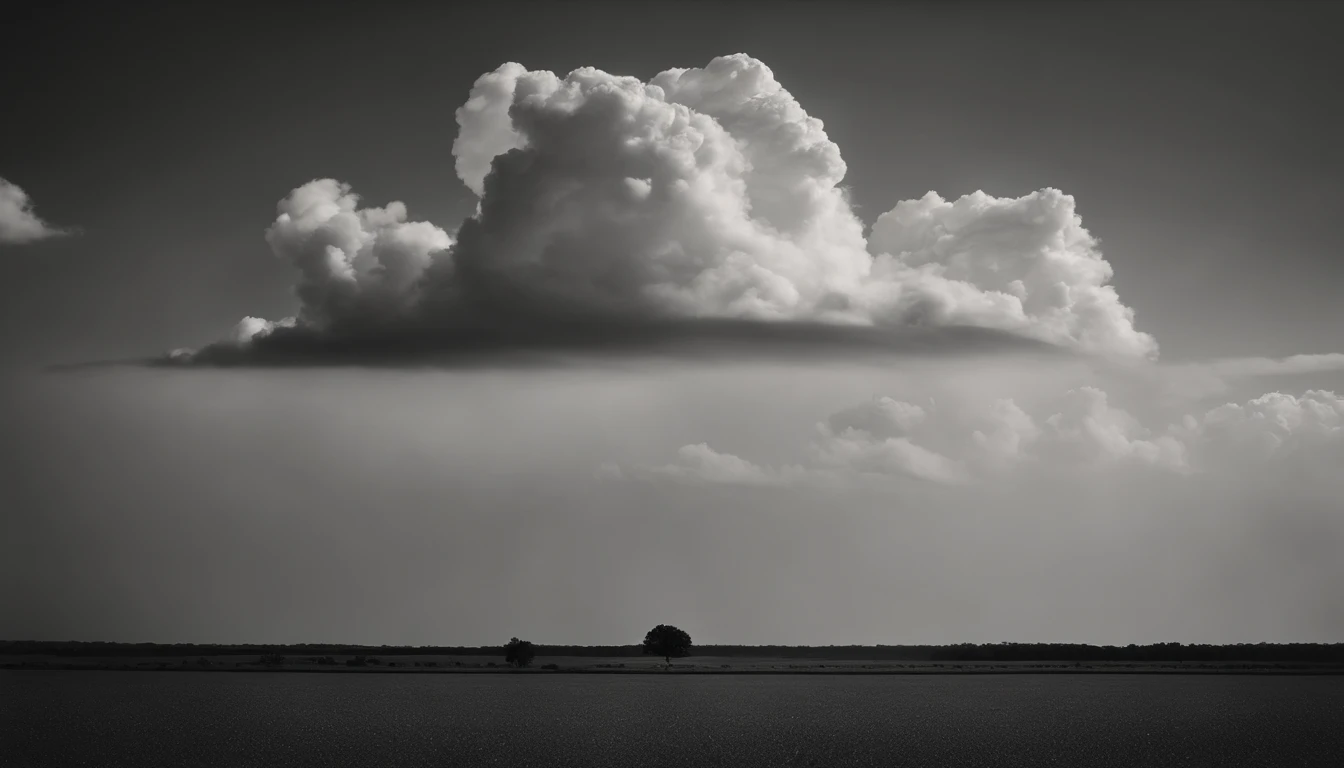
519	653
667	641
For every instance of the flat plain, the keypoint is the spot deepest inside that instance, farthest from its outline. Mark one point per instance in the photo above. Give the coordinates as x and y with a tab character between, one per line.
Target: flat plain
111	718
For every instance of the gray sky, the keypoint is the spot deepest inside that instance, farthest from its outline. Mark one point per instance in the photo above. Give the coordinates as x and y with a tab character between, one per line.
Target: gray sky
405	505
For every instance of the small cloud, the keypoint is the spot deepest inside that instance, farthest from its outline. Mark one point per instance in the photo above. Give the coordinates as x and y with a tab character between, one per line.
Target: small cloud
700	463
607	471
861	452
19	222
881	417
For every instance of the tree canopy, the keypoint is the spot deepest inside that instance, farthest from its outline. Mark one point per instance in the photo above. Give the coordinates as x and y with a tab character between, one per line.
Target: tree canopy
667	641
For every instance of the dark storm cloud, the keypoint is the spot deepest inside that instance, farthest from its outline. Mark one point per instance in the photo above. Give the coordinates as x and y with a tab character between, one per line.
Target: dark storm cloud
572	338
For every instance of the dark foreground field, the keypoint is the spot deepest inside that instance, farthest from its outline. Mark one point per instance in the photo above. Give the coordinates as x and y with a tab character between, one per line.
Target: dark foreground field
62	718
965	658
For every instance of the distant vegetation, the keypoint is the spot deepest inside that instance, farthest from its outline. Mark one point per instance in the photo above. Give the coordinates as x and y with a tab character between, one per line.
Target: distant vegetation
1261	652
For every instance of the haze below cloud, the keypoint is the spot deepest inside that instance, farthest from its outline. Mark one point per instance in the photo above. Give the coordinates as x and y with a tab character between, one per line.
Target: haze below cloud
562	352
458	506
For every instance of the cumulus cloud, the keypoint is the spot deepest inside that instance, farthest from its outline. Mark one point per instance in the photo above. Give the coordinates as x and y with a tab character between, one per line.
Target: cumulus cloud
1082	431
356	265
1024	264
1274	423
19	222
703	203
879	437
1007	434
1087	426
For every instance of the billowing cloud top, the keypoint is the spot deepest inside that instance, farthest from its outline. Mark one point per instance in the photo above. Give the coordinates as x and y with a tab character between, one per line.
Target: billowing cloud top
700	197
19	223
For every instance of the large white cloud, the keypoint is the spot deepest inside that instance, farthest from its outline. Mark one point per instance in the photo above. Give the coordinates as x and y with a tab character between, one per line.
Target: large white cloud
704	193
19	222
701	195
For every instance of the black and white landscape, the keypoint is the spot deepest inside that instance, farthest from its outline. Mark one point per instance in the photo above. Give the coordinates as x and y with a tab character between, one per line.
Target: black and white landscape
629	384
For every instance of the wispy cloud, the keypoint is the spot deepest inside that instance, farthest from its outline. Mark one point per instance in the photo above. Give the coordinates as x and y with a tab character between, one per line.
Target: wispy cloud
1203	379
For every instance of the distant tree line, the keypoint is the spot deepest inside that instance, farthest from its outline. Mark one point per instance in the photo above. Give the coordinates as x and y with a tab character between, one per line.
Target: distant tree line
1261	652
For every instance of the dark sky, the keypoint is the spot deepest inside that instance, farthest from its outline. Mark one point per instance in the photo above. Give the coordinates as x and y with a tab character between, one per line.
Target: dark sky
1201	142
